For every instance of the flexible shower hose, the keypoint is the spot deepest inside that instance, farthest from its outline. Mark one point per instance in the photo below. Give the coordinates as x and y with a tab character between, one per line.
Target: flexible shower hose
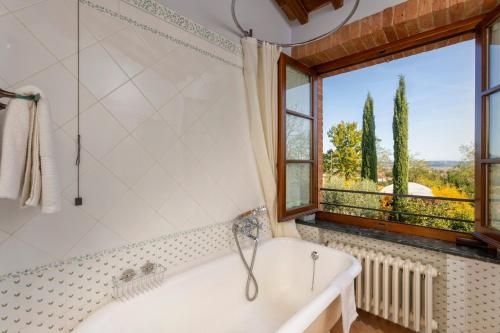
251	277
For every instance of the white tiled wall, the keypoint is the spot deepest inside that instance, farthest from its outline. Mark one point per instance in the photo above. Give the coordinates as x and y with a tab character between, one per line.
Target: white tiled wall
466	291
165	148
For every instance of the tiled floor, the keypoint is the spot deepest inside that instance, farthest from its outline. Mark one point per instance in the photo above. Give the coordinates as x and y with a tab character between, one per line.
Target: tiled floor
368	323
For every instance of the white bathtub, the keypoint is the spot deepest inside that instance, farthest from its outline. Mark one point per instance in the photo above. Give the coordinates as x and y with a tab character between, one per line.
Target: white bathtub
211	297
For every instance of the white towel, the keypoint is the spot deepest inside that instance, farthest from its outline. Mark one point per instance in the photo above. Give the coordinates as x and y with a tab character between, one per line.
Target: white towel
28	164
348	305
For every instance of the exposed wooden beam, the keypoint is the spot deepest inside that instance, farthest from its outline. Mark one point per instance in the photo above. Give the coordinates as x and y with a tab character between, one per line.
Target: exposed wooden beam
284	7
298	9
337	3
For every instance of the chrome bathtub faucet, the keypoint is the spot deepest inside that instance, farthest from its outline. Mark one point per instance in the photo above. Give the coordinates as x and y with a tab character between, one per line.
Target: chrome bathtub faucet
248	225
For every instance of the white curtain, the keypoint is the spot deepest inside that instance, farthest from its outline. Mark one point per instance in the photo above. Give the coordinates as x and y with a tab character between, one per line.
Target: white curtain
260	70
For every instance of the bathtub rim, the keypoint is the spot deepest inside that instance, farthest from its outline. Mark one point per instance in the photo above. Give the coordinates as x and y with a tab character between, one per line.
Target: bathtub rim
298	322
301	320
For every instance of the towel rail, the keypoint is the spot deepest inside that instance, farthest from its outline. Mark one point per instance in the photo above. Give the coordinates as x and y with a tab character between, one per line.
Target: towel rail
8	94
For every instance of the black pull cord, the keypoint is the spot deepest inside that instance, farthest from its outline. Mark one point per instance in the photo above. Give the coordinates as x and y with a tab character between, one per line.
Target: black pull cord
78	198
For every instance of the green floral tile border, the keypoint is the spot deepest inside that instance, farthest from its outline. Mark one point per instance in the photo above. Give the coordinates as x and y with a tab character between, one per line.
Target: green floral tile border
162	34
184	23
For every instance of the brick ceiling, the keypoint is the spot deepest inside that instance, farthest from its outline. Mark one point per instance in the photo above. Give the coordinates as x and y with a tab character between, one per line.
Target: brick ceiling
392	24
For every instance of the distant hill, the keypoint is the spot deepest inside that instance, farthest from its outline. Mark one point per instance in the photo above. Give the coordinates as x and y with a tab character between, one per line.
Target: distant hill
442	164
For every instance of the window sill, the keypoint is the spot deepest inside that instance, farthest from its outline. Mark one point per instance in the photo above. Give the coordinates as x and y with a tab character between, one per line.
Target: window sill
410	240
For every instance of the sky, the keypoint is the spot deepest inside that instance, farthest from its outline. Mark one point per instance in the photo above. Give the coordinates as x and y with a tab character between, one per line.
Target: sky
440	94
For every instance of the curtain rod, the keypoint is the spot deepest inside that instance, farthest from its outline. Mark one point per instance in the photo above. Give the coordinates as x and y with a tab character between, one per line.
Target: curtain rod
249	33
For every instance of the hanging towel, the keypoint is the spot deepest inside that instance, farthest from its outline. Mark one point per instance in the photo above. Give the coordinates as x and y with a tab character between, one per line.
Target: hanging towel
27	164
348	305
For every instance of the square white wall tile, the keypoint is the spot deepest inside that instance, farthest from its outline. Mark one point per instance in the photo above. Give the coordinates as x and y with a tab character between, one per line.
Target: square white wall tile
199	218
56	233
22	55
198	139
97	239
128	105
3	236
16	255
128	161
180	163
54	23
12	217
18	4
100	190
157	88
168	68
3	10
100	131
124	217
130	51
98	72
181	113
178	207
156	136
154	187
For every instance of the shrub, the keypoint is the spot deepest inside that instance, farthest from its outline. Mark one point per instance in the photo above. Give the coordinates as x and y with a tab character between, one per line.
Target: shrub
351	199
442	208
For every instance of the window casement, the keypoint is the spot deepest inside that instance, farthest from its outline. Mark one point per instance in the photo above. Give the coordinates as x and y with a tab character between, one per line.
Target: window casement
300	124
488	129
297	139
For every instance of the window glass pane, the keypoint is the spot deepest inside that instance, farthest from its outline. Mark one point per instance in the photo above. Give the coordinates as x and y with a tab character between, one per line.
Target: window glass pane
494	125
298	185
494	196
298	138
298	91
494	56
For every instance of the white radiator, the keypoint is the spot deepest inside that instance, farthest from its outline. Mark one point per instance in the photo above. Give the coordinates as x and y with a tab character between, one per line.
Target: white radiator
394	289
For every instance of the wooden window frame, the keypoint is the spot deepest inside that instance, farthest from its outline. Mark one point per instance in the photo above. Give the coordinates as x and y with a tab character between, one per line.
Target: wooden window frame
483	91
285	214
474	25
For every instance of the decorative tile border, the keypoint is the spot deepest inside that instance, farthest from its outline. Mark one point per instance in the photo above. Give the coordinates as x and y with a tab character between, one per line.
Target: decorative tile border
57	297
184	23
209	230
162	34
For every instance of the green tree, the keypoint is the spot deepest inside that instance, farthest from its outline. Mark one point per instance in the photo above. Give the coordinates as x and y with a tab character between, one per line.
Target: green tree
384	162
369	142
420	172
462	175
400	135
345	159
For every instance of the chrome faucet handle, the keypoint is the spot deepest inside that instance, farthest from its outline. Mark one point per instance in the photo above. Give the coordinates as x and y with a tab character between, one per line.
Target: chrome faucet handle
127	275
259	210
148	268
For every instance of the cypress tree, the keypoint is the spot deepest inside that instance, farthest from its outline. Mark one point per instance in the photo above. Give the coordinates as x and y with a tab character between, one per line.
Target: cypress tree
400	135
368	143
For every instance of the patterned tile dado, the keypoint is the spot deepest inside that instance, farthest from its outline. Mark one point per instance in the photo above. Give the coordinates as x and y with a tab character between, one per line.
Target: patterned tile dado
466	291
181	22
184	23
56	298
